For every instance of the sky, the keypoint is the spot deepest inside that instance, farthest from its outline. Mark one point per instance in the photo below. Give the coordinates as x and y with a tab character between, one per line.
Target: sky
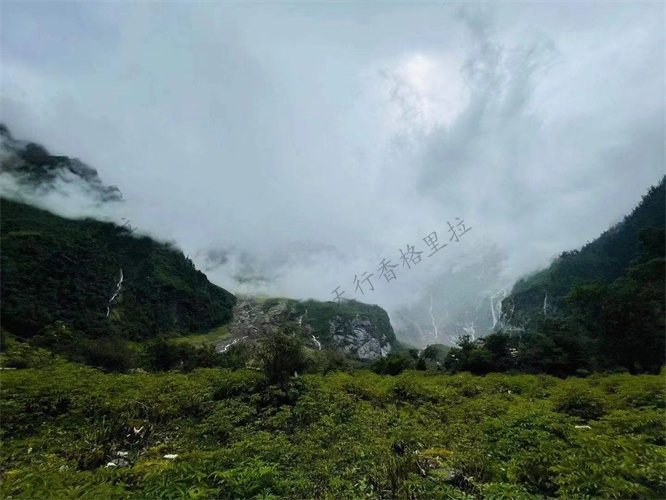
288	148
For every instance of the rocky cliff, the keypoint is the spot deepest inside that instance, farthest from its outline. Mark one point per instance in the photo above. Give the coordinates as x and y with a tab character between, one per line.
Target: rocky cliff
358	329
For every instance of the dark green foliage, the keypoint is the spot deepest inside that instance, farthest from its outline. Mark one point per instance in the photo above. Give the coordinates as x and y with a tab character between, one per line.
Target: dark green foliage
551	347
625	320
393	364
436	352
416	435
281	354
237	356
581	402
640	236
161	354
327	361
107	353
606	303
56	269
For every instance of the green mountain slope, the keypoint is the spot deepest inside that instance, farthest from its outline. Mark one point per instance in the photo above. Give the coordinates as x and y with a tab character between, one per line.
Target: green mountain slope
606	258
57	269
598	309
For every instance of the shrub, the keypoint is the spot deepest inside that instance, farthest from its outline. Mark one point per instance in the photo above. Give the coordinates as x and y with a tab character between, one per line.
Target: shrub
393	364
580	402
281	353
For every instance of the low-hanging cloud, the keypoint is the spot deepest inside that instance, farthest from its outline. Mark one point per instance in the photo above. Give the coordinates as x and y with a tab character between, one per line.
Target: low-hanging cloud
288	149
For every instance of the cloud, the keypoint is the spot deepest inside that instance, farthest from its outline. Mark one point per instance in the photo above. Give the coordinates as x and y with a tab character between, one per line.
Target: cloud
289	148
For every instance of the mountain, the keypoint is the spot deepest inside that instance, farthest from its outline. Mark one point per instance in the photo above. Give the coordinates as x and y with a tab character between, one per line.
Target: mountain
635	238
601	308
462	300
99	278
33	168
102	280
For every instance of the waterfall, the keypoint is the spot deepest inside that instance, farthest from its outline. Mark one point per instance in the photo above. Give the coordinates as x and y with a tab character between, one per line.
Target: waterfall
233	342
545	303
496	309
433	318
118	288
314	339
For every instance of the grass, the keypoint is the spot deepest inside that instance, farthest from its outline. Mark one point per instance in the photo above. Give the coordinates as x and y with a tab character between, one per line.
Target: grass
214	336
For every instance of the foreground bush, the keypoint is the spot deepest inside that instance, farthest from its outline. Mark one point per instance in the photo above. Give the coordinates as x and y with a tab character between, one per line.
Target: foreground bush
415	435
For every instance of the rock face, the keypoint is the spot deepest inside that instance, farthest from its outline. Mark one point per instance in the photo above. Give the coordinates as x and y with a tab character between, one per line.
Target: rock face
321	325
247	319
359	337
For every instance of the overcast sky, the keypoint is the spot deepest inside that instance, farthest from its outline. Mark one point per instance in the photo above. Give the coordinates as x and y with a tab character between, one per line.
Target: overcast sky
304	143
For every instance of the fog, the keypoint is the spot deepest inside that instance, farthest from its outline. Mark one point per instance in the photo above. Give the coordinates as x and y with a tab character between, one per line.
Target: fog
290	148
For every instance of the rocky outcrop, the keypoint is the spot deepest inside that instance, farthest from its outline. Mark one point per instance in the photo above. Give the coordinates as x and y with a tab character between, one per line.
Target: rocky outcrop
319	323
247	319
359	337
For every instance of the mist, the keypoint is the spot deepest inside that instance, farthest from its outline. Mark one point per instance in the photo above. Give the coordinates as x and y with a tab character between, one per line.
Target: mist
288	149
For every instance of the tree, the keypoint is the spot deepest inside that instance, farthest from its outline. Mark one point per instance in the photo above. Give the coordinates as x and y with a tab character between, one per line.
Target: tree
281	353
394	364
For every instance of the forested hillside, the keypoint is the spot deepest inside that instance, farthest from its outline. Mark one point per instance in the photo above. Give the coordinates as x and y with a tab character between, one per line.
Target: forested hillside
600	308
638	238
99	279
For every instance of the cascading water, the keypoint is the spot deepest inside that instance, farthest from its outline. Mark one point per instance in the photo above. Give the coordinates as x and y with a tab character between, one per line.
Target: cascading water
119	287
233	342
314	339
433	319
496	308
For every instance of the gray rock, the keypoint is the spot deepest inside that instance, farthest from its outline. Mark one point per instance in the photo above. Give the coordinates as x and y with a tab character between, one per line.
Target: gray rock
118	462
359	337
356	336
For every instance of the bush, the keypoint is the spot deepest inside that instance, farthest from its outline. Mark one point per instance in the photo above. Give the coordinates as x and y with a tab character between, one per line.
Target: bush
393	364
361	435
579	402
109	354
281	353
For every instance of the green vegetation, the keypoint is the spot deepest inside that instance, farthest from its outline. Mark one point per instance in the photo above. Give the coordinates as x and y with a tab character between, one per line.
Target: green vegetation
639	237
59	270
270	418
212	337
417	435
606	307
